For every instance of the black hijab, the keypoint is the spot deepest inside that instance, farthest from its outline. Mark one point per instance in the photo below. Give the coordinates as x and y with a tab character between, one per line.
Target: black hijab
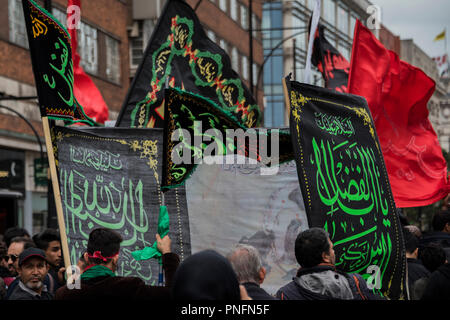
205	275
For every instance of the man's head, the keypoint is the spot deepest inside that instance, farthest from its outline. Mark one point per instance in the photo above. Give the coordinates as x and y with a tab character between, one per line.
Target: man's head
17	245
103	247
411	243
312	247
50	242
441	221
33	268
246	263
432	256
14	232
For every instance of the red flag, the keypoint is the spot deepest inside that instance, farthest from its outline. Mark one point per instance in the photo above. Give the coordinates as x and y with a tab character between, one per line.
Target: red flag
397	94
84	89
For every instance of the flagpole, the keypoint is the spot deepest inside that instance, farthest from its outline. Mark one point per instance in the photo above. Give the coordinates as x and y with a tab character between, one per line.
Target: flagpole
57	194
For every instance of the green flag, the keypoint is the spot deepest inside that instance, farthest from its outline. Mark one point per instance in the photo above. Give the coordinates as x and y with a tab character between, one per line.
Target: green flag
163	230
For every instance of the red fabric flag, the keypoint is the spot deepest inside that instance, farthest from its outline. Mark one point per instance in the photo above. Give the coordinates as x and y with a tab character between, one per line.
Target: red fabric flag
84	89
397	94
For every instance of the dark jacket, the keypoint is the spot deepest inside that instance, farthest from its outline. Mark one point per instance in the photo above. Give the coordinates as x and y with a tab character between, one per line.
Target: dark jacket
108	287
332	284
438	286
21	292
416	271
256	292
48	282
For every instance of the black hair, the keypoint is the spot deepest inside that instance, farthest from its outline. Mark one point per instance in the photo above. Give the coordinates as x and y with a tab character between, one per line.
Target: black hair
44	238
309	246
440	219
432	256
104	240
411	240
14	232
27	242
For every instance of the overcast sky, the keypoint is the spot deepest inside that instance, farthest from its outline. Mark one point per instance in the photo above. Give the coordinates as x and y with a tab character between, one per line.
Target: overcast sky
421	20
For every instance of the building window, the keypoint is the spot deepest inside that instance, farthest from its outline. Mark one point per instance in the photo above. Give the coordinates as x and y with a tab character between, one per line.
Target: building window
224	45
138	41
234	10
329	8
61	16
17	30
244	67
88	48
255	70
234	59
352	25
343	20
244	16
273	70
211	35
112	59
300	39
223	5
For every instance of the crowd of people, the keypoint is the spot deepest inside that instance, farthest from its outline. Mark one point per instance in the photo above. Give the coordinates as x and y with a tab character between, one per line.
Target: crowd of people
31	268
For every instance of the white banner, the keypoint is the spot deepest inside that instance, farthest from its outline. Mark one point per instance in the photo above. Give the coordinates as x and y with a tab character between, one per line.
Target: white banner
228	204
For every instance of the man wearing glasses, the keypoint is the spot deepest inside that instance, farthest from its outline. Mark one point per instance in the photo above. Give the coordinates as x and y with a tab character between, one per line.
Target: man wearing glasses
16	247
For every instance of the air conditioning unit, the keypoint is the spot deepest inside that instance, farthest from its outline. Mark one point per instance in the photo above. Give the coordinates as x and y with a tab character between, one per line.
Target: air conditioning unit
146	9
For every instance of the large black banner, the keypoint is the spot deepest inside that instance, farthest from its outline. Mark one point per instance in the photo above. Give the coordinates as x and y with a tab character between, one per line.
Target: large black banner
196	128
111	178
345	185
180	54
51	57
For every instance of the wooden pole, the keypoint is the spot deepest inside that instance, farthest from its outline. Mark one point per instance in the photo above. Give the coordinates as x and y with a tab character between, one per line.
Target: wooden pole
57	194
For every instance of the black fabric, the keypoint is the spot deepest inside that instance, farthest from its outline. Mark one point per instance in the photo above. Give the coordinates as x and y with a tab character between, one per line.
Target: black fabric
199	116
107	287
439	237
345	185
19	294
333	66
438	287
180	54
206	275
51	57
255	292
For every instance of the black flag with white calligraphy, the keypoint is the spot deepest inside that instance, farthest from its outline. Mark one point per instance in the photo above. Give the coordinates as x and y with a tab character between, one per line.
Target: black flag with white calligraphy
345	185
181	55
51	57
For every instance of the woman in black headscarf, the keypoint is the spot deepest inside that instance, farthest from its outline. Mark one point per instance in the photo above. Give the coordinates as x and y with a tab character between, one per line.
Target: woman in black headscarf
205	275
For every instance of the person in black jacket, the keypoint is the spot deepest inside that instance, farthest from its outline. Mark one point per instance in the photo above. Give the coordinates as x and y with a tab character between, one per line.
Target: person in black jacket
246	262
99	281
318	279
438	286
416	270
32	268
440	233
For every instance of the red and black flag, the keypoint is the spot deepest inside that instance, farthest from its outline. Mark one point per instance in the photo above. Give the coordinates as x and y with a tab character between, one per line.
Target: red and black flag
332	64
181	55
51	57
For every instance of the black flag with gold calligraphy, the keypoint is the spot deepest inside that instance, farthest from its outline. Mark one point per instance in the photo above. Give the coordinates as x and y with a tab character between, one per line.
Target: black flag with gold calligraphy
51	57
180	54
345	185
196	128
